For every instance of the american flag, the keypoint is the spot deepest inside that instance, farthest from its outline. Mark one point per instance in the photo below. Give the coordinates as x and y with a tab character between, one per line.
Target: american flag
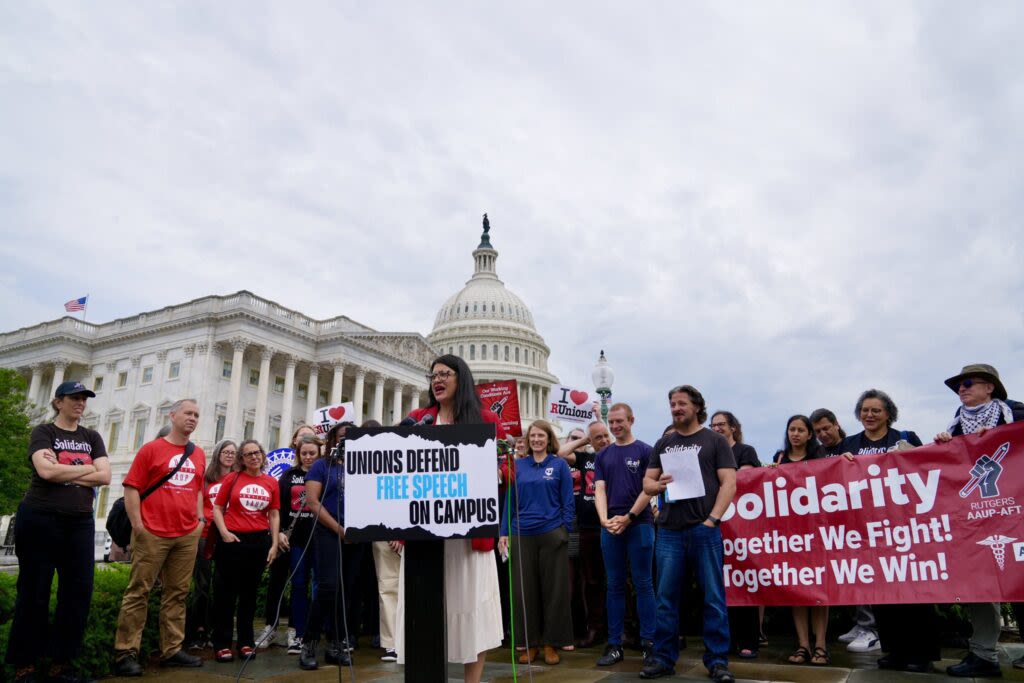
75	305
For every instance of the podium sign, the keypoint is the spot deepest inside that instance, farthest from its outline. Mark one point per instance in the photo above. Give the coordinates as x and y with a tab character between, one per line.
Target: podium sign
421	483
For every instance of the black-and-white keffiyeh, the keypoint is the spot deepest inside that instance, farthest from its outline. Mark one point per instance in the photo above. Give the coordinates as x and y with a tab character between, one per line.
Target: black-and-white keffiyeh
987	415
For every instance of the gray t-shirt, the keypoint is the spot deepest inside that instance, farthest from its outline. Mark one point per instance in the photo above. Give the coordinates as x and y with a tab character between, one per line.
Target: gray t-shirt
713	453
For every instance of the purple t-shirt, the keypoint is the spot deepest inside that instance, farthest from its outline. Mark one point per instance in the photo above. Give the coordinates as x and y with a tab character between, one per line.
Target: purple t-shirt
622	469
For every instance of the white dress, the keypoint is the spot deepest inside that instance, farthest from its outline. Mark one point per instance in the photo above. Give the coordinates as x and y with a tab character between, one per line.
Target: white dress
472	603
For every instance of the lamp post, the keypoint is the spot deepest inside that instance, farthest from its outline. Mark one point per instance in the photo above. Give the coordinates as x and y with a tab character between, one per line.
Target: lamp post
603	377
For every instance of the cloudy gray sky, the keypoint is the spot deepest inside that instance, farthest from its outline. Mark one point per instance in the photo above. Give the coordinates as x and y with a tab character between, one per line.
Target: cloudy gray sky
782	203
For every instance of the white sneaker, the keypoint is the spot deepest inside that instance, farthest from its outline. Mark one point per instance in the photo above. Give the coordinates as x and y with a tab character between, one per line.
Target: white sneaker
851	635
293	642
266	637
865	642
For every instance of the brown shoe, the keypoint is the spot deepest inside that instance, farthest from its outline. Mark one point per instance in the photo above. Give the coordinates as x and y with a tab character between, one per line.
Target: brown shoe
551	655
528	656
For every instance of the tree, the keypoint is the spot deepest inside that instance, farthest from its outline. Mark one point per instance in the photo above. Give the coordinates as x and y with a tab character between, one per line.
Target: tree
15	425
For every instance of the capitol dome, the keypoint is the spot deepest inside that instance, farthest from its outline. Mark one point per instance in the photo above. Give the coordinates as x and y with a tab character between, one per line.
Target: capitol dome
493	331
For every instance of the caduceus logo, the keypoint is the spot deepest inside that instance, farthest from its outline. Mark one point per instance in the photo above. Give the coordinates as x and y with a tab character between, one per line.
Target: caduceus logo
998	545
985	474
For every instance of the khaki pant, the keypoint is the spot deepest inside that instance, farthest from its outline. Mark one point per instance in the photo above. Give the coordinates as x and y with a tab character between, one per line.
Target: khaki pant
172	560
388	563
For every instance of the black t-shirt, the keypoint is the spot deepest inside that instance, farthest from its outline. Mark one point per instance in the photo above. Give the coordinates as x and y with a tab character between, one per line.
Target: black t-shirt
833	451
713	453
745	455
783	459
80	447
860	444
292	487
586	510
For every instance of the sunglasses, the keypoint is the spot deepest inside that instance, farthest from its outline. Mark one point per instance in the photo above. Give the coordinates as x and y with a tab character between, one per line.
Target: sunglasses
970	382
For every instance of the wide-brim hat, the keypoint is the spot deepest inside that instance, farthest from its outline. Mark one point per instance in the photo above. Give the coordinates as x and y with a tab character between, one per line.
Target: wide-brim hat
982	370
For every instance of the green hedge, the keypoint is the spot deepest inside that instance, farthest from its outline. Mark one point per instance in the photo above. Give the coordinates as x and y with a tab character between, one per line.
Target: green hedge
98	649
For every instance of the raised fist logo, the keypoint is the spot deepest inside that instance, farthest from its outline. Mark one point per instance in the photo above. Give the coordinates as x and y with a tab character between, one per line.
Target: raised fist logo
985	474
987	471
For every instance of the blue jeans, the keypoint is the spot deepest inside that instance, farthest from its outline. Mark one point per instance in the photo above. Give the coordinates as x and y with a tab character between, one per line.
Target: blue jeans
637	544
700	548
303	559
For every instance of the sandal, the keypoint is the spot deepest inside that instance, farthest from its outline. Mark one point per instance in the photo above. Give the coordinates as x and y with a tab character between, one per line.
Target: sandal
801	655
820	657
747	653
225	655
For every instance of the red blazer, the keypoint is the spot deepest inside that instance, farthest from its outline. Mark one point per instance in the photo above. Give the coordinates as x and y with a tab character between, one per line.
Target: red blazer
483	545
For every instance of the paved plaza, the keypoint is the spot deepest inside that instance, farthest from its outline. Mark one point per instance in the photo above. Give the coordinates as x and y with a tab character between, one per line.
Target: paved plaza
579	667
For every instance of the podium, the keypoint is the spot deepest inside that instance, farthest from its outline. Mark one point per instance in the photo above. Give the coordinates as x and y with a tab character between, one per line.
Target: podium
422	485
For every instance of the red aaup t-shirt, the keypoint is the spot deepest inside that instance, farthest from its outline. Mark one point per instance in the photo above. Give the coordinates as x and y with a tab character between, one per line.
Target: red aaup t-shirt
170	511
210	495
252	499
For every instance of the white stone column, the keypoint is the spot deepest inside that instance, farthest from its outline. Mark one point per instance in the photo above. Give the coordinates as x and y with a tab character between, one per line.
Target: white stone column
287	402
396	404
414	400
314	389
357	397
377	411
259	430
154	413
234	409
339	376
59	365
209	356
536	401
37	379
187	378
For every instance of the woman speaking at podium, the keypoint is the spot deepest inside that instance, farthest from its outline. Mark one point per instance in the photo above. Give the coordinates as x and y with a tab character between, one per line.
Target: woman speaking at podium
472	600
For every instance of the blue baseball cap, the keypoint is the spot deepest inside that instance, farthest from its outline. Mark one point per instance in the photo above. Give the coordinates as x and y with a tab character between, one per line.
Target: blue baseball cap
73	387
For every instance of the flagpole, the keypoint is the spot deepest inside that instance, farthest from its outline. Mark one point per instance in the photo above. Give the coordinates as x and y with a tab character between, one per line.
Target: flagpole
86	306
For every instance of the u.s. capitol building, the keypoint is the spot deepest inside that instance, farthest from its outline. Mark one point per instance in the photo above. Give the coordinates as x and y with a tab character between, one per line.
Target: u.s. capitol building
258	370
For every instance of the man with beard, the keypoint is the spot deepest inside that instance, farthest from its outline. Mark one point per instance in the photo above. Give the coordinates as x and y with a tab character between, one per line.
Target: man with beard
688	531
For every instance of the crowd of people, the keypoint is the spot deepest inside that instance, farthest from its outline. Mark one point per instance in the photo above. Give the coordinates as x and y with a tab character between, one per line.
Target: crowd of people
593	537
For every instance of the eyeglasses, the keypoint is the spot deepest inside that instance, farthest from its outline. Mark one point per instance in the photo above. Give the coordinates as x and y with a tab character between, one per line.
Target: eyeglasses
442	375
227	452
252	454
719	424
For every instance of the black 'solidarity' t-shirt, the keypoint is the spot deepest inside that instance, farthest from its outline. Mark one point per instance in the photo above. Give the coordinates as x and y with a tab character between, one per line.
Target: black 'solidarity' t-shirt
80	447
586	509
745	455
860	444
713	453
292	487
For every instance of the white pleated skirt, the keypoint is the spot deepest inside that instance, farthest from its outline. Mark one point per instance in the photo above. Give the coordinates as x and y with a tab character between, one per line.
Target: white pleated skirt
472	603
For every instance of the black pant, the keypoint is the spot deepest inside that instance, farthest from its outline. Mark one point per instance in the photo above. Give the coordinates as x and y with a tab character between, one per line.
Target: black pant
745	628
334	573
46	542
542	589
591	563
908	633
236	578
197	618
279	570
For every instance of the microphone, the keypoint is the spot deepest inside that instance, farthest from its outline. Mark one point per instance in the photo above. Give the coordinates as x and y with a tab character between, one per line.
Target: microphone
410	421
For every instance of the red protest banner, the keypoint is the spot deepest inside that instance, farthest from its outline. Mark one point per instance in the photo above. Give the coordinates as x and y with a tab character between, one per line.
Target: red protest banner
941	523
502	398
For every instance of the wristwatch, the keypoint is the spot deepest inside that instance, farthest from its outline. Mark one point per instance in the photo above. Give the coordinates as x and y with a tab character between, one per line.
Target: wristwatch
714	520
632	516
